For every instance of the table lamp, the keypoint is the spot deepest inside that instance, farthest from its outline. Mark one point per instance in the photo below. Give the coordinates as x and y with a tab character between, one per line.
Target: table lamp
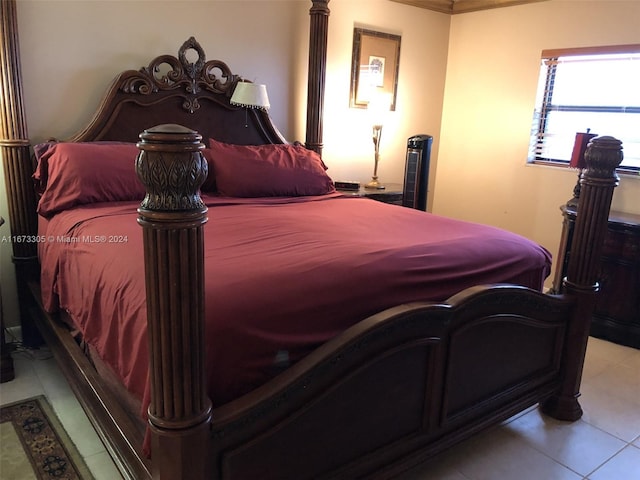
378	106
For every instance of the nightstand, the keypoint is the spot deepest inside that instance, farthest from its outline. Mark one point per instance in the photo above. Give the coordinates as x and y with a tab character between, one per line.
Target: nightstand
391	194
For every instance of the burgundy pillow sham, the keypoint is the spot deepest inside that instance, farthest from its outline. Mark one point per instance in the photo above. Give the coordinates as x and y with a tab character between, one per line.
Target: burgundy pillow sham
280	170
71	174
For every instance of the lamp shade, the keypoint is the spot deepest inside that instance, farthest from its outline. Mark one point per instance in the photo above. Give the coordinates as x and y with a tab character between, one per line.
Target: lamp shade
579	149
379	106
251	95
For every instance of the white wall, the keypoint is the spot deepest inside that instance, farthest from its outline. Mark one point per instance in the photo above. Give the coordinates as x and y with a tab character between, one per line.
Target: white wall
490	93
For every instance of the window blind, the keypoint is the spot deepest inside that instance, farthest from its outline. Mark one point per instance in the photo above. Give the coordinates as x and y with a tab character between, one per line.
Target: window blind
587	89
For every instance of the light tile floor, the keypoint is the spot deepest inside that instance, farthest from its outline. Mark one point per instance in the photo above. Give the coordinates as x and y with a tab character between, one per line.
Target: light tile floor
38	374
603	445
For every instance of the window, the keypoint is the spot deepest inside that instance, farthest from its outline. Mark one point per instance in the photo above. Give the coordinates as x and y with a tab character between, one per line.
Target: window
587	89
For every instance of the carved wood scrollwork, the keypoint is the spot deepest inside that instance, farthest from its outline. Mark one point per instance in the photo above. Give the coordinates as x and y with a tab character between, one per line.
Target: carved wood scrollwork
214	76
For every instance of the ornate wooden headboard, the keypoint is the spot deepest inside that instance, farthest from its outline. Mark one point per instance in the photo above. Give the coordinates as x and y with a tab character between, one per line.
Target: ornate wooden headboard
175	90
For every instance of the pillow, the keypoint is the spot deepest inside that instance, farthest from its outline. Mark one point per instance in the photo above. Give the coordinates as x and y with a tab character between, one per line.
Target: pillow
280	170
71	174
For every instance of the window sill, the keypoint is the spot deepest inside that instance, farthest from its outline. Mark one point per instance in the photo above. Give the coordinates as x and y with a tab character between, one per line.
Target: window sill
634	174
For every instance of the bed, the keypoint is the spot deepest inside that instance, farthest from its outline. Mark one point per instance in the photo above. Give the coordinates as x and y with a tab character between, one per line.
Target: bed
362	355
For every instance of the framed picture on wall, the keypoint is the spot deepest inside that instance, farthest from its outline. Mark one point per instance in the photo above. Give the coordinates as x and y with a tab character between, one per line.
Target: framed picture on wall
375	64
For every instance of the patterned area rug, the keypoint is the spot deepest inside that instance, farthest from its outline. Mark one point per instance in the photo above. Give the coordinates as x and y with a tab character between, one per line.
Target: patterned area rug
35	445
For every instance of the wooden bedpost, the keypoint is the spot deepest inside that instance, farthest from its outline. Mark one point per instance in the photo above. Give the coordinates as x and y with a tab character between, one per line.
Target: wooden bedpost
598	181
18	167
172	216
319	18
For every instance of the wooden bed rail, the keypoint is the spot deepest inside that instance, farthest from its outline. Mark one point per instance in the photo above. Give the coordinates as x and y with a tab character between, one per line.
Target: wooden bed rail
598	180
172	215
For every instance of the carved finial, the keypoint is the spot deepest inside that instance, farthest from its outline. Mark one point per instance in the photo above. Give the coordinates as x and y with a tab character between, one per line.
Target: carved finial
169	73
193	70
320	6
172	168
603	156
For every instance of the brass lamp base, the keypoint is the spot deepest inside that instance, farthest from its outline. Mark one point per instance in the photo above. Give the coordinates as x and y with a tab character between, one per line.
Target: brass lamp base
374	184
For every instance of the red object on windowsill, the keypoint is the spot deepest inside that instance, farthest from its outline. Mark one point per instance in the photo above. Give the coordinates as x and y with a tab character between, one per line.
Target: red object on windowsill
579	148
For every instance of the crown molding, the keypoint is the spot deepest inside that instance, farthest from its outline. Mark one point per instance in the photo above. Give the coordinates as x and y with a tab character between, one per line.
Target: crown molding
463	6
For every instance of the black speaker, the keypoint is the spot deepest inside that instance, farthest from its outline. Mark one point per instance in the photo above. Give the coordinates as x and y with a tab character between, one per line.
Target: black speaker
416	172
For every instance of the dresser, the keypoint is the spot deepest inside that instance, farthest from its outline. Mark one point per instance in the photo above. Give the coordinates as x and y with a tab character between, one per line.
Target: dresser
617	312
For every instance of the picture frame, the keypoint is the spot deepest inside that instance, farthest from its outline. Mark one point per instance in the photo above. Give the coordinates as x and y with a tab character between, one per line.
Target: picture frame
375	64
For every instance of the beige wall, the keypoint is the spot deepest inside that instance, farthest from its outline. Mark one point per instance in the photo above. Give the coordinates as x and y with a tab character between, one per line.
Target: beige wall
71	50
489	99
423	58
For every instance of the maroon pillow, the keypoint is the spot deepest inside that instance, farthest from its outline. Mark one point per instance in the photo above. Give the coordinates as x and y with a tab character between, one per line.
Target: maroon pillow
70	174
280	170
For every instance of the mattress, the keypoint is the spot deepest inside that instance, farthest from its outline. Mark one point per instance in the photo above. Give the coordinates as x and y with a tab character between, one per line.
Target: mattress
282	276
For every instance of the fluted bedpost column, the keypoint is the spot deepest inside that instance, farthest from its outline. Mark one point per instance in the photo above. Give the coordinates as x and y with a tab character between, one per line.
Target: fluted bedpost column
172	216
598	181
319	22
17	163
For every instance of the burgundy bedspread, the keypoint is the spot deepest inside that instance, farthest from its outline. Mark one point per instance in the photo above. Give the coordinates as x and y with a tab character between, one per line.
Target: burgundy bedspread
282	277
